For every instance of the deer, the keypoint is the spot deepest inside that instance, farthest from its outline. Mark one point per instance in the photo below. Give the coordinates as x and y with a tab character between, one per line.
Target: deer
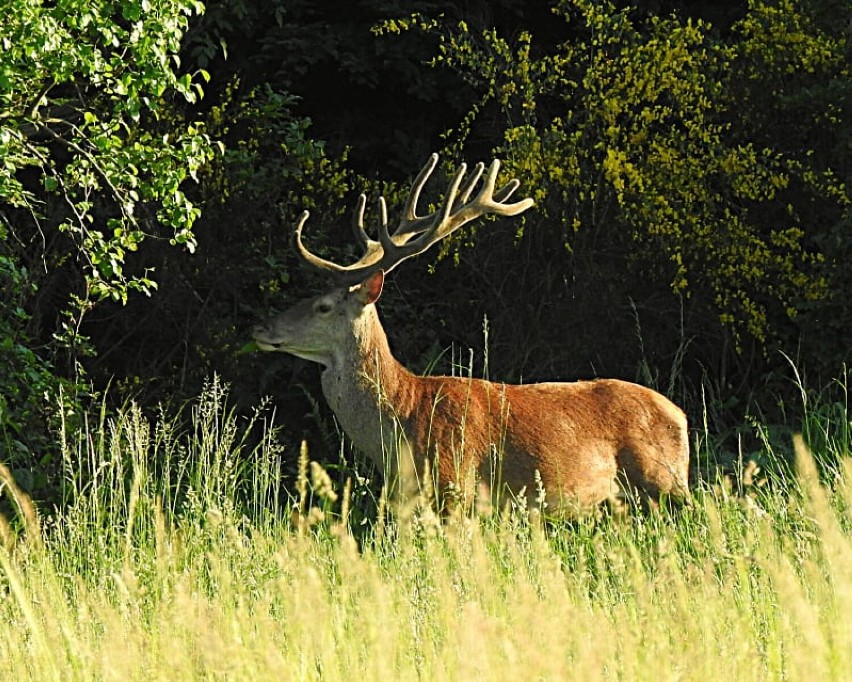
566	445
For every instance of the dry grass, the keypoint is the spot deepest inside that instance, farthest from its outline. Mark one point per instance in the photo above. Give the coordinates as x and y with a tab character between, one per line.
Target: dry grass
139	580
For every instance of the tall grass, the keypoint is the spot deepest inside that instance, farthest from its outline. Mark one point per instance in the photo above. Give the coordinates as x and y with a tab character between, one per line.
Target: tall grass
177	559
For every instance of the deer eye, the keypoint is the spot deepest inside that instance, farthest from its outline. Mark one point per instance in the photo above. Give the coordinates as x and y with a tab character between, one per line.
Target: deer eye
323	307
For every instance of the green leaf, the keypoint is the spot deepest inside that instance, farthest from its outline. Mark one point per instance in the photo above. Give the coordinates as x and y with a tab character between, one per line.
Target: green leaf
250	347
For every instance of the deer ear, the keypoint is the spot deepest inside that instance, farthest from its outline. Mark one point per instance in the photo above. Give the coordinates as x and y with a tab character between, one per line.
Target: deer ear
371	288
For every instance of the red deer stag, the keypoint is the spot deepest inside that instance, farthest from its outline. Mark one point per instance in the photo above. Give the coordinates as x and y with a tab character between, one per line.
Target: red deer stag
586	441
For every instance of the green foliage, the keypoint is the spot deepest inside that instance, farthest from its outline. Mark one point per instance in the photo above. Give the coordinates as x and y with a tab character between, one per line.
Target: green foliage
791	89
31	395
633	130
95	158
267	149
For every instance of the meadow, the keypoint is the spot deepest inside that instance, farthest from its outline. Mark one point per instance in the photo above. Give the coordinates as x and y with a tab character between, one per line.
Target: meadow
178	557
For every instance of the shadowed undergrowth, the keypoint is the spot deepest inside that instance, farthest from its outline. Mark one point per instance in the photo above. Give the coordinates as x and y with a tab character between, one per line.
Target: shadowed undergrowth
178	559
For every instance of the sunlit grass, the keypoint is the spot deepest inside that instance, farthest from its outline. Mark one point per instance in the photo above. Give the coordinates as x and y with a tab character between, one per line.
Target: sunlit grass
178	559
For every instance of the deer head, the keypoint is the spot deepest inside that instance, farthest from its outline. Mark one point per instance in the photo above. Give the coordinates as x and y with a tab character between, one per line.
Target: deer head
316	328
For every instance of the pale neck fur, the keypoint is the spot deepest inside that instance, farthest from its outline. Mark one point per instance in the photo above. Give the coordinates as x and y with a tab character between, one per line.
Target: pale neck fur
362	385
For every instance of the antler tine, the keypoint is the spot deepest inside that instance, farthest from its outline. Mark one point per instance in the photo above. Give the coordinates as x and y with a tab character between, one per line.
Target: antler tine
471	182
358	223
496	204
410	211
450	200
345	274
506	190
383	217
486	194
307	256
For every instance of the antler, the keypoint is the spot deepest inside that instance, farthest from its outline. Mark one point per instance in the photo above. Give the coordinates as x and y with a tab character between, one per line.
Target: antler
415	234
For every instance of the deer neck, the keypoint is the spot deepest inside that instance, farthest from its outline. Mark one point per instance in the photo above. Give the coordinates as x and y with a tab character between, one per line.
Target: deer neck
362	385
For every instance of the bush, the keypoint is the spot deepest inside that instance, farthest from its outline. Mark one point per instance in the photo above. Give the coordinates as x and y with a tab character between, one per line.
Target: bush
96	152
688	184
